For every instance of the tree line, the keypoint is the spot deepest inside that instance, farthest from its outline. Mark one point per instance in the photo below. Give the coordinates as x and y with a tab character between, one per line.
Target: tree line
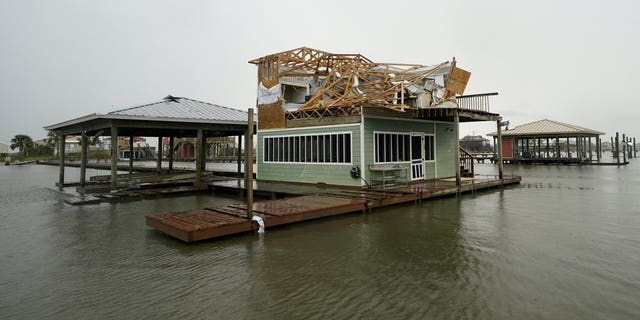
26	147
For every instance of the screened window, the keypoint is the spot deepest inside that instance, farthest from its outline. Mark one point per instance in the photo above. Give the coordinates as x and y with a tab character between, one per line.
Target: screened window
320	148
392	147
429	148
396	147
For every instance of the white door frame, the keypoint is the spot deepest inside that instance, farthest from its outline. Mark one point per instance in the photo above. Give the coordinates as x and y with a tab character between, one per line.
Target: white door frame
417	165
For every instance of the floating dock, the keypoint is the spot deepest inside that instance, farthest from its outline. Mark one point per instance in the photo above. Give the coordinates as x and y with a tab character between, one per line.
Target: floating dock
303	202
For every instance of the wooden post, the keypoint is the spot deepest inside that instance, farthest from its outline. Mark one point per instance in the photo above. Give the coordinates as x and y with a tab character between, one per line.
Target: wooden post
170	154
547	147
617	144
159	164
114	157
624	149
61	147
199	153
598	148
579	149
249	161
495	145
456	136
500	160
590	151
83	159
239	151
557	151
634	147
130	154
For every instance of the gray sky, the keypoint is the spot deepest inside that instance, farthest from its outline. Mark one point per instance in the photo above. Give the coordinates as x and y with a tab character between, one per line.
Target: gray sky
571	61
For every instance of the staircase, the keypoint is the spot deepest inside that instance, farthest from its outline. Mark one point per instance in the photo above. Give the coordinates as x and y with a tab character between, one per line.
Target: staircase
466	163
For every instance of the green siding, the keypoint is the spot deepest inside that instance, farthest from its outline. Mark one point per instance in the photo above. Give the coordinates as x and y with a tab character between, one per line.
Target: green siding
310	172
401	126
445	150
443	166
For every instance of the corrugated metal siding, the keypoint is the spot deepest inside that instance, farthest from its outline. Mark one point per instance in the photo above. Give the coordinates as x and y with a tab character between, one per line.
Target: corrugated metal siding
184	108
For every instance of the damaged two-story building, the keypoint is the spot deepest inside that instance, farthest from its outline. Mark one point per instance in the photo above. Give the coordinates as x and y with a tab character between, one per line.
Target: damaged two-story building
347	120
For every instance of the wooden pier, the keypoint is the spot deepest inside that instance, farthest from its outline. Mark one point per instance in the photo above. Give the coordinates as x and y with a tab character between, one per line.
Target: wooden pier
303	202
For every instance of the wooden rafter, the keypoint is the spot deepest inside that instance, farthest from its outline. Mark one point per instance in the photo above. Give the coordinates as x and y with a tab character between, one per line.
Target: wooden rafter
350	80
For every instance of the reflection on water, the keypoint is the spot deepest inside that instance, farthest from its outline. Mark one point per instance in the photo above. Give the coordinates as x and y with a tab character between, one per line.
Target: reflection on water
564	244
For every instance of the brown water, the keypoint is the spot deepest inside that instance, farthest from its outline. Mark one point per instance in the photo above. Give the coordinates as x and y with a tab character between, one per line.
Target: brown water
565	244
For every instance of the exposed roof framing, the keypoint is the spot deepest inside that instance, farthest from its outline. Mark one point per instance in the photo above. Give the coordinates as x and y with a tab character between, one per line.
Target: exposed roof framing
352	80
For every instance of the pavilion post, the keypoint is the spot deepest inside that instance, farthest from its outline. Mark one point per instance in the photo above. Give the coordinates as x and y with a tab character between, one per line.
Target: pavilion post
159	164
83	159
249	163
199	153
114	157
624	149
500	160
456	136
598	148
130	154
634	147
170	154
61	146
239	151
617	148
590	151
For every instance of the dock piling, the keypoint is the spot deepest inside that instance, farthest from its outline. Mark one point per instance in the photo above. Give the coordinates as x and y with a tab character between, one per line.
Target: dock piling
249	163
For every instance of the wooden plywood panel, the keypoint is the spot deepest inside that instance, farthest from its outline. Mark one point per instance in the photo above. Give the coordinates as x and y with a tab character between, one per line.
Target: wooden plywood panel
271	116
458	80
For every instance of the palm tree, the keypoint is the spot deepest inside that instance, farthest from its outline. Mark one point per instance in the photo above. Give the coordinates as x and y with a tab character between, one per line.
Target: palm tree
22	142
52	139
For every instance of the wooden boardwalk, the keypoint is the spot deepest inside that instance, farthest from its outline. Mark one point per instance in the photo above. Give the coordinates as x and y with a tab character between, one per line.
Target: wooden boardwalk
305	202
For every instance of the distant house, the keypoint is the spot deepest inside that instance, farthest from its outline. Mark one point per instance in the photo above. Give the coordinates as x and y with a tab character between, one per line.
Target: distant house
548	141
476	144
4	150
344	119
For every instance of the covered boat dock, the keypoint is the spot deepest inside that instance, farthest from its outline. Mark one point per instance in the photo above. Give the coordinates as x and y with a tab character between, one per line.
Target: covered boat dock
550	142
171	117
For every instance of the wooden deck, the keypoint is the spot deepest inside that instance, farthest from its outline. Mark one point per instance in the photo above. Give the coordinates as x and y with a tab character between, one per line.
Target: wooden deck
304	202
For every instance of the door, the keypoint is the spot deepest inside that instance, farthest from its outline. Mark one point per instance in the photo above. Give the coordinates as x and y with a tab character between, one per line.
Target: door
417	156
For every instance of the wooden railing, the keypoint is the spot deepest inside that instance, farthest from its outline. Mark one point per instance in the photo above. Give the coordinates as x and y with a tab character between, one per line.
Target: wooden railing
477	102
466	163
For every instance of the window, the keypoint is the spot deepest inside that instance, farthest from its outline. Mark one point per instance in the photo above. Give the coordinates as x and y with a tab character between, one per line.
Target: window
429	148
396	147
319	148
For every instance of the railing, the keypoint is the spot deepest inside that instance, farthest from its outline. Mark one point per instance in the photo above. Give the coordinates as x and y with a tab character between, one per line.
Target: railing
466	163
477	102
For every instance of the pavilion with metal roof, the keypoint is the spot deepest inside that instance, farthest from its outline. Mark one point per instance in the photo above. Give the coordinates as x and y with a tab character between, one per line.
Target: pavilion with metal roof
549	141
171	117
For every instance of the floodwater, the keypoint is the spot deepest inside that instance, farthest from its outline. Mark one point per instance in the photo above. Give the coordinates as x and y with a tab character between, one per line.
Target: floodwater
565	244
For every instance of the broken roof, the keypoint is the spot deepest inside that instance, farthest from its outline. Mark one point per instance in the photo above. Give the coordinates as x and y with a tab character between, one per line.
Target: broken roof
547	127
348	80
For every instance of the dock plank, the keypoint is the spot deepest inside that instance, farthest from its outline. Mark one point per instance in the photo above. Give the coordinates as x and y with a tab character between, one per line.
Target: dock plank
212	222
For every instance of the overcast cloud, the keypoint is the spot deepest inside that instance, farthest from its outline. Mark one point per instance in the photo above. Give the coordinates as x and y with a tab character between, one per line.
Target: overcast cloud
571	61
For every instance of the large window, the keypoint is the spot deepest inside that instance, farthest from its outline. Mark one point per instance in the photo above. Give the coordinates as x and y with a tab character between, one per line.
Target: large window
319	148
392	147
396	147
429	148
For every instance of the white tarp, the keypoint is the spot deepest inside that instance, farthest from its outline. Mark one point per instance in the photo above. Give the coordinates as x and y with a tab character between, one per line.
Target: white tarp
268	95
